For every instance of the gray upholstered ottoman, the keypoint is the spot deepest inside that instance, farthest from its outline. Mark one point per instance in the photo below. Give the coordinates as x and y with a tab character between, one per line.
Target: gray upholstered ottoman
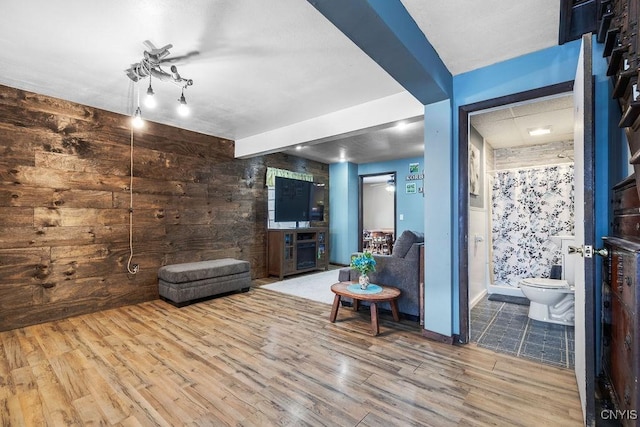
182	284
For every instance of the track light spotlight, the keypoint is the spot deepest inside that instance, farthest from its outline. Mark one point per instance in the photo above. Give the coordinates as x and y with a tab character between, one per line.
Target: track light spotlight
150	100
136	120
391	186
183	108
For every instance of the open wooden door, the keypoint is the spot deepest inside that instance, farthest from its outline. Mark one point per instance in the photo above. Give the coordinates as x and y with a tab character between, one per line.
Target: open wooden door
584	232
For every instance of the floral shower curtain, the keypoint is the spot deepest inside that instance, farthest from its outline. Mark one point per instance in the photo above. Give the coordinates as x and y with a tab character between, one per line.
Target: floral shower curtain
529	206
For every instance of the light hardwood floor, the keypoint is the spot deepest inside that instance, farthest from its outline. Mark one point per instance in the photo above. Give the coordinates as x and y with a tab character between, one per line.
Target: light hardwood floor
260	359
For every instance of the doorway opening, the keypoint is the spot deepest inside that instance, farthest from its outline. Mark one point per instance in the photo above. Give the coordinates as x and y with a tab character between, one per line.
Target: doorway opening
518	199
377	218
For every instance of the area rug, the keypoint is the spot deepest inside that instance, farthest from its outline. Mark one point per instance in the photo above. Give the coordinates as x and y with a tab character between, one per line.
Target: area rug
316	286
509	299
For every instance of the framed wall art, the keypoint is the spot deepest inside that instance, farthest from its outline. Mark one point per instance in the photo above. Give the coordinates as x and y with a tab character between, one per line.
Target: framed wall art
474	170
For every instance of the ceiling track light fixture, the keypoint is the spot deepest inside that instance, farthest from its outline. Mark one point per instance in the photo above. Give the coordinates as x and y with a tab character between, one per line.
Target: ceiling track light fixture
150	66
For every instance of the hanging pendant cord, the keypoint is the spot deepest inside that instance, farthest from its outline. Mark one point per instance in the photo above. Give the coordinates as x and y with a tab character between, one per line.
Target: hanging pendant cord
134	269
131	269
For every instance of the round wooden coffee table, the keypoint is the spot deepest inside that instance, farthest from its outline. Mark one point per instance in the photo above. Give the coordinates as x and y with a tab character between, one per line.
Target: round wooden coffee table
385	294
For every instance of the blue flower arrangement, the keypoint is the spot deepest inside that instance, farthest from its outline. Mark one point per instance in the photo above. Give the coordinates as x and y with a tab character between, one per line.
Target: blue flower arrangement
364	263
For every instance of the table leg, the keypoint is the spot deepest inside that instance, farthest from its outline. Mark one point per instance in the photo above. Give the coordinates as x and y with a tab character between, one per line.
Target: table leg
394	310
355	304
334	308
375	328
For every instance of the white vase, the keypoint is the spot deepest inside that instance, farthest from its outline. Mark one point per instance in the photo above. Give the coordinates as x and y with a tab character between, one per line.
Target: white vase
364	281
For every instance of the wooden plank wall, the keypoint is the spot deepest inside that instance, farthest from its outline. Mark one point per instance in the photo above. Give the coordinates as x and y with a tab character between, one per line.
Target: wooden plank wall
64	206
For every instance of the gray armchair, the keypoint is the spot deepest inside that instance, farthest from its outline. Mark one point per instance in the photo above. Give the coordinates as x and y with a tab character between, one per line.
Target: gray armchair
401	269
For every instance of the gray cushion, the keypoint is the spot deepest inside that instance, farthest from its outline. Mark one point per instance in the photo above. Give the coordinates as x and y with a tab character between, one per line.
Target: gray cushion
405	241
189	291
344	275
188	272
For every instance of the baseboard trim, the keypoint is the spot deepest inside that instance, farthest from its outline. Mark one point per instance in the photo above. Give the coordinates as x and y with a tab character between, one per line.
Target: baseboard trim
437	337
477	299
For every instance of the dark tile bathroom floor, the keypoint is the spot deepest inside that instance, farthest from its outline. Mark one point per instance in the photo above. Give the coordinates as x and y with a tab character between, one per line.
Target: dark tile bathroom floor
506	328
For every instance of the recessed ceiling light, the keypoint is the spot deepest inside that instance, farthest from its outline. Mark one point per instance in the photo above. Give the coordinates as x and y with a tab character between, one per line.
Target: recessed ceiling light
540	131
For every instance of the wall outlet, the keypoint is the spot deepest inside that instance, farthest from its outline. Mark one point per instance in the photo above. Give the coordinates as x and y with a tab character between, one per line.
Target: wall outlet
401	217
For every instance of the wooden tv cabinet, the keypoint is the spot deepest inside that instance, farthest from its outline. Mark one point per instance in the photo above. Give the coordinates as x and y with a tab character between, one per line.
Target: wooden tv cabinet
297	250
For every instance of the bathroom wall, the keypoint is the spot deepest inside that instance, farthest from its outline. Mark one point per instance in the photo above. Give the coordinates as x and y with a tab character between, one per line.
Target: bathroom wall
478	224
534	155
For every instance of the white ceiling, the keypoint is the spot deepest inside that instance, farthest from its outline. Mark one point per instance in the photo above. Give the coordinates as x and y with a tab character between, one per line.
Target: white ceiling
259	65
508	126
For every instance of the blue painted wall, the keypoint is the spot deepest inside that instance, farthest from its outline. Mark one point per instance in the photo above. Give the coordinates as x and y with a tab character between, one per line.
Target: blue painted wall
539	69
411	206
343	201
344	191
550	66
547	67
543	68
439	247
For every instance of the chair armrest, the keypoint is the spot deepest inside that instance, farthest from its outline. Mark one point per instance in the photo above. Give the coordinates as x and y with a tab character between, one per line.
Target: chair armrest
401	273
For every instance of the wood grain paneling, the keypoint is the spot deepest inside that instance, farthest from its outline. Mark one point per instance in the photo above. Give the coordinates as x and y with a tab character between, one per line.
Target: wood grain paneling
261	359
64	206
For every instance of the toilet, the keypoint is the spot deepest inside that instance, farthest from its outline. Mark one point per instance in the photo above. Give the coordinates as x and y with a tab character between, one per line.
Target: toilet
553	300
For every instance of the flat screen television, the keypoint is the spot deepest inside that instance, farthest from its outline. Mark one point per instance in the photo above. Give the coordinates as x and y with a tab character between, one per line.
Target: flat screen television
291	200
297	200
